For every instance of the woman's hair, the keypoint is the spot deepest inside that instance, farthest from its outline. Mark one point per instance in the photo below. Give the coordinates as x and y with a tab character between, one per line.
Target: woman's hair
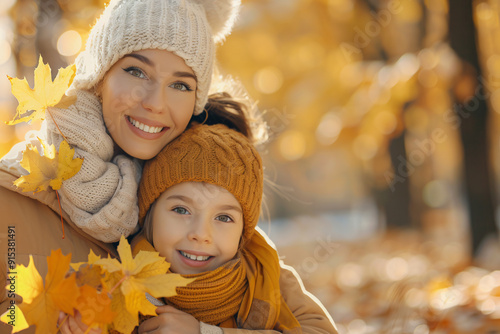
222	108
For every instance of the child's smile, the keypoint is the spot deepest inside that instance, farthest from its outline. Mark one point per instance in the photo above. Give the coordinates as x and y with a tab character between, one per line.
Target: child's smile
197	227
197	261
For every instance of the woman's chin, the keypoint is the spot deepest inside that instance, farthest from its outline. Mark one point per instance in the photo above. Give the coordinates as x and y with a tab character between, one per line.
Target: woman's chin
142	153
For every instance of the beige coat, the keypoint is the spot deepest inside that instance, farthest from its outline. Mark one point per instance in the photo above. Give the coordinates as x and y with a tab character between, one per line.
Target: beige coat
37	226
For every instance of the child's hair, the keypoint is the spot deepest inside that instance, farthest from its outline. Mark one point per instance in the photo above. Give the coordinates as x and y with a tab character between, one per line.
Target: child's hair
213	154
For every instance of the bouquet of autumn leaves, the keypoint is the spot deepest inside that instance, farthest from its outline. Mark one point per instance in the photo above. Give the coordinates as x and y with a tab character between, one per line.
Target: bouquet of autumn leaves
108	293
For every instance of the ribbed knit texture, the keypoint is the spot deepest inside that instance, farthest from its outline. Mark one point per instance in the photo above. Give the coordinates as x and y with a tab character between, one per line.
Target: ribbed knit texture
186	28
222	290
101	197
261	306
213	154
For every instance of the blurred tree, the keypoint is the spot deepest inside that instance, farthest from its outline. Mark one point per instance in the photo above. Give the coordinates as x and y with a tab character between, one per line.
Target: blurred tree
472	110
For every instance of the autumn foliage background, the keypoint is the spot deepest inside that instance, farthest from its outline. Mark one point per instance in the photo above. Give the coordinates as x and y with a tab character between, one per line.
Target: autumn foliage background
384	145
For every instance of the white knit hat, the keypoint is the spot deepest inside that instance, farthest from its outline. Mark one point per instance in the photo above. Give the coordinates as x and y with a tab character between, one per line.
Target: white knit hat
188	28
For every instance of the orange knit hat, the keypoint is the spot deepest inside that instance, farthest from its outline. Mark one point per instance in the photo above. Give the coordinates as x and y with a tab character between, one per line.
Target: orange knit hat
213	154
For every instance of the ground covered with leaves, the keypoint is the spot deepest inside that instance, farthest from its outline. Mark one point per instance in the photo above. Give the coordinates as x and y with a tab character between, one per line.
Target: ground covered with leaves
401	282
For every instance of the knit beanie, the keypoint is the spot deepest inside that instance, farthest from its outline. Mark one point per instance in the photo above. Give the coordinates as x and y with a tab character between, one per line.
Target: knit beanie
213	154
187	28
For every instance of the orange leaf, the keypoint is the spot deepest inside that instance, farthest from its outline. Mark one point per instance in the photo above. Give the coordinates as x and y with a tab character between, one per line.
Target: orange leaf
95	307
89	275
45	93
48	170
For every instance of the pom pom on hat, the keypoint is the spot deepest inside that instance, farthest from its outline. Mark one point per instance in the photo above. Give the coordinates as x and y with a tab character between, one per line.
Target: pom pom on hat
221	16
187	28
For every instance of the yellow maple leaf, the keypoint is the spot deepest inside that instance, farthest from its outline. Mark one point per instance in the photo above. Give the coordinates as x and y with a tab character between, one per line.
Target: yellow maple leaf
14	317
92	258
34	102
46	170
131	279
42	302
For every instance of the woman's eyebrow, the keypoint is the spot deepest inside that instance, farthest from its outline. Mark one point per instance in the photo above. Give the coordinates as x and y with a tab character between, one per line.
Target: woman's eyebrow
139	57
185	75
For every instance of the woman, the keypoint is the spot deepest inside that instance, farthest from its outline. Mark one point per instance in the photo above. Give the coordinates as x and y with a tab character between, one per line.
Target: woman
145	73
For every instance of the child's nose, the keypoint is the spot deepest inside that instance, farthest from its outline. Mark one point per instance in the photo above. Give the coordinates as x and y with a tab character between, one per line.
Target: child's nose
201	231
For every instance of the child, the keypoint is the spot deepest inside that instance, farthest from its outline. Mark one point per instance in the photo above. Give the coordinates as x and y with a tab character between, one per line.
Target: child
200	202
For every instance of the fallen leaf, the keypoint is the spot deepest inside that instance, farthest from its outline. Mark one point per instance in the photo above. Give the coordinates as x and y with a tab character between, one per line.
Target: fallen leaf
45	170
33	103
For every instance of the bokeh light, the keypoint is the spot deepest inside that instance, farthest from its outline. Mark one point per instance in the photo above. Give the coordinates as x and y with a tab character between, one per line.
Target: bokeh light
329	128
5	51
69	43
268	80
436	193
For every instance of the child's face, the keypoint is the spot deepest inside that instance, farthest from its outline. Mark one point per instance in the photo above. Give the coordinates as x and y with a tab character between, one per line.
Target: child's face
197	227
148	98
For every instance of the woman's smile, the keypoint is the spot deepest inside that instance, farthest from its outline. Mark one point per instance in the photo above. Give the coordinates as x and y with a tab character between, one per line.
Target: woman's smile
148	98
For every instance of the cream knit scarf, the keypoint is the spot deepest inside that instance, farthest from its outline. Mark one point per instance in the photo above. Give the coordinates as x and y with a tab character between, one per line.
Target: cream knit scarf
101	198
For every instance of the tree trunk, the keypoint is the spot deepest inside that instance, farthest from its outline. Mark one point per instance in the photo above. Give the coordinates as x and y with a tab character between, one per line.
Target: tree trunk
473	114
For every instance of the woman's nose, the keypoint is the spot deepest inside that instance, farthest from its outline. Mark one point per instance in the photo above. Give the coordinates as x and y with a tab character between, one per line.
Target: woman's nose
154	99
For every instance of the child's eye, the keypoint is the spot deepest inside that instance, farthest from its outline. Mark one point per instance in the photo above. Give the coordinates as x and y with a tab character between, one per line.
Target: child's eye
225	218
181	210
136	72
181	86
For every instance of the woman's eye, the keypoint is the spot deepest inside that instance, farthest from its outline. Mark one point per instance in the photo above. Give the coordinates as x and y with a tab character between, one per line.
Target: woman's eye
181	86
136	72
224	218
181	211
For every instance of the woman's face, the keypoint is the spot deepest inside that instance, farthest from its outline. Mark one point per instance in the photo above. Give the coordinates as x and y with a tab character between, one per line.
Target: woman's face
148	98
196	226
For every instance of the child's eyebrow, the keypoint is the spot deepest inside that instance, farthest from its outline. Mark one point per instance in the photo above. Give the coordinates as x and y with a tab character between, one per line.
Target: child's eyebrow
181	197
230	207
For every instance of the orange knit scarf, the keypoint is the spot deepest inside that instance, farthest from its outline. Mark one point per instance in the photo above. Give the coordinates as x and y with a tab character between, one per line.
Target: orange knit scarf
243	293
215	296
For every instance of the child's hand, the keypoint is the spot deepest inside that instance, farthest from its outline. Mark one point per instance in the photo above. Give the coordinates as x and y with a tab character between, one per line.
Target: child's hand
172	321
74	324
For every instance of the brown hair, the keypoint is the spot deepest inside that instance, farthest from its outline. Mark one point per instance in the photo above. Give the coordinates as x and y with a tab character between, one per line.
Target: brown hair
222	108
